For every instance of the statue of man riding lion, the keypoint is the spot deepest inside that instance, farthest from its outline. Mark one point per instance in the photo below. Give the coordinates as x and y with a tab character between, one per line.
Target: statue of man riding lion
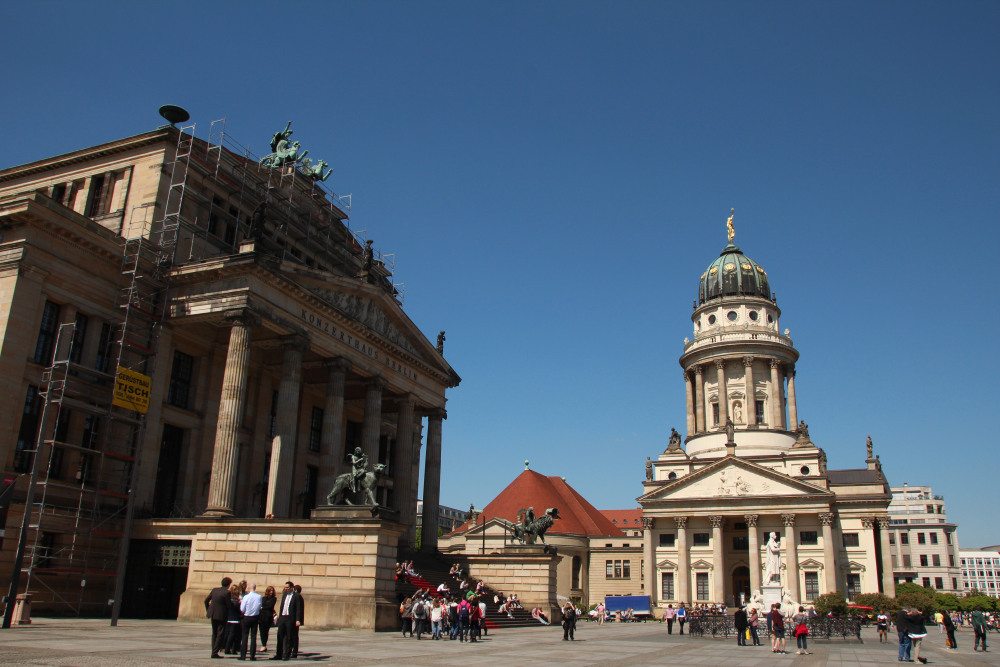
527	528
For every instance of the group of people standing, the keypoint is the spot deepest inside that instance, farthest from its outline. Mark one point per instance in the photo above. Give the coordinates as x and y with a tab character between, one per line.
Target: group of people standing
464	619
239	614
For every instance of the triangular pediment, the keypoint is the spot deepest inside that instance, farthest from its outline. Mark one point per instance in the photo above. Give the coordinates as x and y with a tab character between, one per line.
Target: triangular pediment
701	564
732	477
666	564
811	564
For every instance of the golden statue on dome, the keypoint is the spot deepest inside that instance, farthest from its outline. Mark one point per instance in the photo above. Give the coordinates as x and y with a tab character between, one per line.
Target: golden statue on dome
730	230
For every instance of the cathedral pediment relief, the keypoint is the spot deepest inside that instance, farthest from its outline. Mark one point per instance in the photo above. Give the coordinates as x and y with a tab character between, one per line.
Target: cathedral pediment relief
732	478
365	311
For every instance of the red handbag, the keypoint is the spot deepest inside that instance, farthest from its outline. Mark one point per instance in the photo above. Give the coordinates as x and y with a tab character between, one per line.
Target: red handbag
801	630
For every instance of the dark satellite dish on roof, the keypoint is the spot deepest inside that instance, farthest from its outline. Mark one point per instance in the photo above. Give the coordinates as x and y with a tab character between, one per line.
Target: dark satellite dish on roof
174	114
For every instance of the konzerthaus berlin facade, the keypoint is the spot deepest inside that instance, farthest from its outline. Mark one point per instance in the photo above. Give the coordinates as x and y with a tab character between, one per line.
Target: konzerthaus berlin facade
283	346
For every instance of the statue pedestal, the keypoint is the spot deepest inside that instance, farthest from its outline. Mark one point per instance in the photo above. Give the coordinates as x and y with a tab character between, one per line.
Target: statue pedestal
529	549
771	594
366	512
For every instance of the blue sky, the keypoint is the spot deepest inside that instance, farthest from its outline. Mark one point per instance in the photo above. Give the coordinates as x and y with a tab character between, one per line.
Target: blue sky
553	178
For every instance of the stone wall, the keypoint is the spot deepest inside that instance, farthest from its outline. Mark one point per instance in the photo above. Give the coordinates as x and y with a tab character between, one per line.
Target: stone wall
529	571
345	566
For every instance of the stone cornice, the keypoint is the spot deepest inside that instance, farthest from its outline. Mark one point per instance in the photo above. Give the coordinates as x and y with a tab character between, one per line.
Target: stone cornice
41	212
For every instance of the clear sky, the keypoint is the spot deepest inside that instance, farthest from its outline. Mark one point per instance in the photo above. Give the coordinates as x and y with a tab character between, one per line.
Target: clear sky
554	176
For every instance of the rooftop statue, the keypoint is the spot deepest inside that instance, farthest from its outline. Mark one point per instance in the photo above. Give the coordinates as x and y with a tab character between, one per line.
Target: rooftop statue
528	529
803	430
868	445
440	342
730	229
283	151
367	258
674	443
318	171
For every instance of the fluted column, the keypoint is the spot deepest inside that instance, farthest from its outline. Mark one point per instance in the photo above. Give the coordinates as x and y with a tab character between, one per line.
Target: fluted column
222	488
371	431
281	483
793	413
401	467
829	553
649	558
699	388
753	538
751	399
683	561
792	555
888	582
775	396
332	436
432	483
720	370
718	560
689	397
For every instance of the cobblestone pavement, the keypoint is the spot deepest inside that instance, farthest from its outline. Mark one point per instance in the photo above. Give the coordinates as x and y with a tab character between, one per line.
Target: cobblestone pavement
169	643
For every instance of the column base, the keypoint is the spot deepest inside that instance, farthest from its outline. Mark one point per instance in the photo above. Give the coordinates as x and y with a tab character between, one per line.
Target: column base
215	513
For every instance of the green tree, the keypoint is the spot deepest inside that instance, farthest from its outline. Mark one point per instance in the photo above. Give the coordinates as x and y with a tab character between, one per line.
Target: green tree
947	602
976	600
917	597
831	602
877	601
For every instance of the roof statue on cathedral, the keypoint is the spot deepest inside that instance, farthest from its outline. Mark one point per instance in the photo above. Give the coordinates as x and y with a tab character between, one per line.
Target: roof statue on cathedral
286	152
730	229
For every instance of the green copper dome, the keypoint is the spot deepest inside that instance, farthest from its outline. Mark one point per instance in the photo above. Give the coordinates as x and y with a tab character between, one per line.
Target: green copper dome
733	274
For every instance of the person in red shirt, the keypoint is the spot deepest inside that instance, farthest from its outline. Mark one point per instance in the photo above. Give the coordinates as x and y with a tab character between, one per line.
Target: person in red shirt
778	628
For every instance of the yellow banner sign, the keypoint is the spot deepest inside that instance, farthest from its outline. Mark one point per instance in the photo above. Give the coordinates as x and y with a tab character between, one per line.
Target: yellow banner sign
132	390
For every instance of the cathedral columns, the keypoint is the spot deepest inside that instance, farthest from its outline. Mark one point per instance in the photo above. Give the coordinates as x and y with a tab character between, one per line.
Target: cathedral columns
751	399
683	561
718	560
649	558
720	369
775	401
689	396
281	481
699	388
829	553
371	430
432	483
401	467
754	545
888	582
332	437
793	413
792	555
222	488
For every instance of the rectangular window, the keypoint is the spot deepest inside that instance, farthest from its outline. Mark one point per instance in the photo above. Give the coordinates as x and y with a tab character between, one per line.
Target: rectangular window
701	585
759	410
79	334
851	539
926	582
853	585
99	200
29	429
609	569
667	539
315	429
947	538
954	583
104	348
921	539
667	585
934	538
936	560
904	538
181	376
618	569
892	538
923	560
626	569
91	428
951	560
906	561
56	455
46	334
715	413
808	537
812	585
939	582
700	539
741	543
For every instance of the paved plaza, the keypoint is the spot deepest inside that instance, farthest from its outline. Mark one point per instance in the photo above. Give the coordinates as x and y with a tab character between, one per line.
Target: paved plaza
90	642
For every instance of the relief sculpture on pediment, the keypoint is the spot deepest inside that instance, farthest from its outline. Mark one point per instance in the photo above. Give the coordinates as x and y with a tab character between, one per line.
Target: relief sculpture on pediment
364	311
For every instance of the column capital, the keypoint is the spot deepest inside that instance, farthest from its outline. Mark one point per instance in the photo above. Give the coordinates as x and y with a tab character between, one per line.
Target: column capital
751	520
826	518
295	341
241	316
788	519
647	522
720	363
337	364
883	522
435	413
868	521
774	363
790	371
717	520
747	361
377	382
681	521
698	370
687	374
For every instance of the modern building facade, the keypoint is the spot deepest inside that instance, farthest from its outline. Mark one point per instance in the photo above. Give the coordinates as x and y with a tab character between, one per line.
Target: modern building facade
923	542
449	518
748	467
981	570
272	343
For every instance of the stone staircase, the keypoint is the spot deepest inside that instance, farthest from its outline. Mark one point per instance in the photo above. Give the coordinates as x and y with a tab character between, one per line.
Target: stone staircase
432	570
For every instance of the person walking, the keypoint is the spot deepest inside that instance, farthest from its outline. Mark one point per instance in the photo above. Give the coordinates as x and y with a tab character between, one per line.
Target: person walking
668	617
568	621
436	620
949	629
600	613
217	609
917	632
682	616
233	621
419	616
778	628
266	616
903	633
741	623
801	632
980	627
250	607
464	612
754	623
882	625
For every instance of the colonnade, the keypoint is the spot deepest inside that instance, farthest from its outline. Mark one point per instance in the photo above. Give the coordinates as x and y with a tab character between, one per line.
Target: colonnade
699	415
404	457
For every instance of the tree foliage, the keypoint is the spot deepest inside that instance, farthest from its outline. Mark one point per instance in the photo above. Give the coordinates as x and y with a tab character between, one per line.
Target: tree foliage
947	602
976	600
831	602
877	601
916	597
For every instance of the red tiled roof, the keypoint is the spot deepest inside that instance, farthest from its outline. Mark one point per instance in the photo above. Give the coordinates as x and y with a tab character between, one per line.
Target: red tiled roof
631	519
532	489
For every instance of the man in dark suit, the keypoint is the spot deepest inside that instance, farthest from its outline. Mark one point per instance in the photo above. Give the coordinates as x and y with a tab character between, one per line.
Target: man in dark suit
301	621
742	623
289	613
217	609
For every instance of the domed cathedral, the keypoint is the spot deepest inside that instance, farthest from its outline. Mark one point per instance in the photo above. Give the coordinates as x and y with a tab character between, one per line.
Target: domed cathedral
744	509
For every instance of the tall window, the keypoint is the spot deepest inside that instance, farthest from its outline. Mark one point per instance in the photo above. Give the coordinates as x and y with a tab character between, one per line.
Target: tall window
923	560
181	375
91	429
79	335
853	585
701	585
906	560
99	201
921	539
56	455
758	407
353	438
315	429
609	569
936	560
934	538
626	569
667	585
904	538
104	348
29	429
926	582
46	334
812	585
715	413
309	495
741	543
939	582
618	569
